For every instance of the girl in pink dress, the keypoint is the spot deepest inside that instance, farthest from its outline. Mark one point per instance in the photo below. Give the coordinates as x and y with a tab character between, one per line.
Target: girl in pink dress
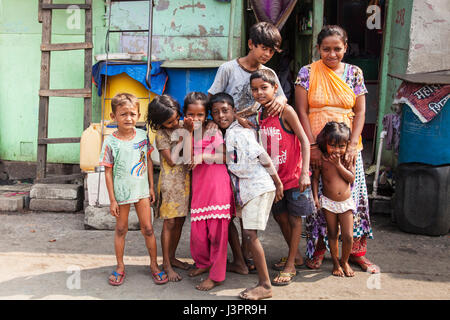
212	204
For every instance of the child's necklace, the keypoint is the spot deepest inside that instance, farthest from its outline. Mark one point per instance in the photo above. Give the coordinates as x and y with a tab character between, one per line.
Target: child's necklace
245	69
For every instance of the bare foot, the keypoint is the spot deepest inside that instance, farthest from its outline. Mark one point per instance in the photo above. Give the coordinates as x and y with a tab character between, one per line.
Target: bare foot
256	293
197	271
207	285
348	271
237	268
172	275
337	271
315	262
179	264
365	264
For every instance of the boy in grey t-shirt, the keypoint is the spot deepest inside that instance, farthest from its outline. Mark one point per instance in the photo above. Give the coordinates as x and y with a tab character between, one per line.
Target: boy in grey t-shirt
233	77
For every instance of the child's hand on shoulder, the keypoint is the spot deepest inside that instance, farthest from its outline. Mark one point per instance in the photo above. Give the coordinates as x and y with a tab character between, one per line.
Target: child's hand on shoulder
211	127
114	209
276	106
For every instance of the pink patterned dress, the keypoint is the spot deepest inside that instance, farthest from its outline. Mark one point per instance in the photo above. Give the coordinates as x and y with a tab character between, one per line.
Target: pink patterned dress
212	207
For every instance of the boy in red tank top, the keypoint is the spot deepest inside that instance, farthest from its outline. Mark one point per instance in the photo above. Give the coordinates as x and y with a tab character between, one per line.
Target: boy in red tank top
287	144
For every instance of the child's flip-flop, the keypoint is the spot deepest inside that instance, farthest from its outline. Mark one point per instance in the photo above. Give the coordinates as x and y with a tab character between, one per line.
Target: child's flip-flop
251	266
289	275
279	266
116	276
160	280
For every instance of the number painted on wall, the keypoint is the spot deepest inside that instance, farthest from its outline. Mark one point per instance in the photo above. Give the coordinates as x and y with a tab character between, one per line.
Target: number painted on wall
400	17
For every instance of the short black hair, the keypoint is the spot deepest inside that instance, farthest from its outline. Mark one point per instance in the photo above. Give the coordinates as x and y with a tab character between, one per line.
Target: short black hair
332	30
221	97
160	109
266	34
192	98
266	75
333	132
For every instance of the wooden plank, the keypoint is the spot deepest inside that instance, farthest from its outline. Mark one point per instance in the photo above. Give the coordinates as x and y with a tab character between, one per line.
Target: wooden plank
65	6
87	117
72	93
66	46
44	85
58	140
40	11
60	178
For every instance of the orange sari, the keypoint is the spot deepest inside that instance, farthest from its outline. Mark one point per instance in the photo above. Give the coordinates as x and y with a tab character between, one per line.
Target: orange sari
329	99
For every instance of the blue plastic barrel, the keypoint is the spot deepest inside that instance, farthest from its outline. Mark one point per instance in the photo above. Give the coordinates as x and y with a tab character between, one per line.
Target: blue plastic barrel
427	143
184	80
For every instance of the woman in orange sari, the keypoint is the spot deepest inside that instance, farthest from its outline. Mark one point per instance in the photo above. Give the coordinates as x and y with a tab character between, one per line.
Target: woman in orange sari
330	90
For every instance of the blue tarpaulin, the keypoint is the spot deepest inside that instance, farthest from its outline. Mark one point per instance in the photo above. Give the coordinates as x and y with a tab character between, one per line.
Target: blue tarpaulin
136	71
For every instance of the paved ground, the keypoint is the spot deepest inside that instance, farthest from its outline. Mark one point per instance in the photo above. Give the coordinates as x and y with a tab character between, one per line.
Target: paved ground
52	256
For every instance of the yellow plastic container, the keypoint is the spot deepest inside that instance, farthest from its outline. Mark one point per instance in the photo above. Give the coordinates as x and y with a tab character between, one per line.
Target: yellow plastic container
124	83
90	147
91	144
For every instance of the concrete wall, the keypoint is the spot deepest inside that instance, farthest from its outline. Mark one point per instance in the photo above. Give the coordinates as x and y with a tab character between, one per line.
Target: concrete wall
430	31
182	29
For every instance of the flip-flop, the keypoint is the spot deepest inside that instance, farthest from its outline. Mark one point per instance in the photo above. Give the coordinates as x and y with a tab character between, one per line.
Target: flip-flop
116	275
251	266
289	275
283	261
160	280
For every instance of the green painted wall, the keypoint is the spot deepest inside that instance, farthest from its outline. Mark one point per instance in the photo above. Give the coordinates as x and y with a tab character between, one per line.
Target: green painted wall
20	59
184	29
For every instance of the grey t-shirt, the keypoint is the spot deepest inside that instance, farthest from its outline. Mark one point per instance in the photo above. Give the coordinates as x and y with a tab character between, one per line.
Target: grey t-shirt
235	81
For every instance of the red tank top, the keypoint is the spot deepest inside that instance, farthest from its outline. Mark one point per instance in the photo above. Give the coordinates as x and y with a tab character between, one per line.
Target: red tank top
283	147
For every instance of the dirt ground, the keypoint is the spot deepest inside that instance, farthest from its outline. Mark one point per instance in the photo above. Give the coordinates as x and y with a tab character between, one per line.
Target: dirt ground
52	256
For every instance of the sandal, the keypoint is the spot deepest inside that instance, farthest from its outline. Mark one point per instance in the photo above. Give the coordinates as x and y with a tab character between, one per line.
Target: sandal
160	280
289	275
316	261
279	266
251	266
365	265
116	276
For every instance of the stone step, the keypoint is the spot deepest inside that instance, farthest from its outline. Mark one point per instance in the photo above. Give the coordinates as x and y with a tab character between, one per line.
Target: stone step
99	218
12	201
56	191
20	187
55	205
